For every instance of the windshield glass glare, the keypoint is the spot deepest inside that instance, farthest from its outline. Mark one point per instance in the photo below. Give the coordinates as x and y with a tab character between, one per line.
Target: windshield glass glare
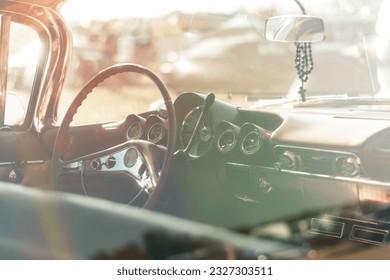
221	48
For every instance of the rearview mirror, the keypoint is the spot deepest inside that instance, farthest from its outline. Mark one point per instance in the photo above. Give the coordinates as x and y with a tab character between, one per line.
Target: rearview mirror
294	28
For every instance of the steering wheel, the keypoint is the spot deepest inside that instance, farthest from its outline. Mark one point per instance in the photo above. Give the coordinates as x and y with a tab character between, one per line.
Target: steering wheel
152	179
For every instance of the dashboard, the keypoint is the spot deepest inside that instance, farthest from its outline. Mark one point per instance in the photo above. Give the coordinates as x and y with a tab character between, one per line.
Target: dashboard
257	165
306	141
293	161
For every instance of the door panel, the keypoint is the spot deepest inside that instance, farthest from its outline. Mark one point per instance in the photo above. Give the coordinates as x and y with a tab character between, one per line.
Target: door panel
23	159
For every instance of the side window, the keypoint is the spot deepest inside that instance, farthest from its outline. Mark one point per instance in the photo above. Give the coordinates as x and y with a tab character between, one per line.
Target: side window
22	63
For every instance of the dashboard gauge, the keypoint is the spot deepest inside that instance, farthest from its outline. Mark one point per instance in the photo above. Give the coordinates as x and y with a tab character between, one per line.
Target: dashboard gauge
130	157
134	131
251	143
227	136
203	138
155	129
252	138
156	132
136	127
226	141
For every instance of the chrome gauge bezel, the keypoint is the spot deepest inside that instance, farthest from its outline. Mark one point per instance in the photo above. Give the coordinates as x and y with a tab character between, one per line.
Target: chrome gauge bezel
131	157
257	146
228	149
261	135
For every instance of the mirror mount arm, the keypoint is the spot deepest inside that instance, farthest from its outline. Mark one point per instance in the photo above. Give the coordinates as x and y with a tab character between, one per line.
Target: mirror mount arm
303	10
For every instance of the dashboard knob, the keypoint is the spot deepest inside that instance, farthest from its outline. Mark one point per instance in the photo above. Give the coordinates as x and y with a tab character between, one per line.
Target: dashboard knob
349	166
287	160
95	164
264	185
110	162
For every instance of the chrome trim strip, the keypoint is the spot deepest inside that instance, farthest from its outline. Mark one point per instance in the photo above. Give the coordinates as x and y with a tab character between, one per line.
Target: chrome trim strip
352	220
11	163
314	176
315	150
34	162
7	163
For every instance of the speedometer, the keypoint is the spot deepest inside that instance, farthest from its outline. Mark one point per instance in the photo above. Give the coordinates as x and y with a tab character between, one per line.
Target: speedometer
204	136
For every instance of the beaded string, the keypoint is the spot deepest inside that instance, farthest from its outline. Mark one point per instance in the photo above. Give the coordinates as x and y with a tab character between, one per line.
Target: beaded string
303	64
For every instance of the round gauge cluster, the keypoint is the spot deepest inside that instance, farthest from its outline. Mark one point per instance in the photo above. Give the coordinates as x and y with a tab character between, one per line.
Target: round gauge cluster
249	138
153	128
227	137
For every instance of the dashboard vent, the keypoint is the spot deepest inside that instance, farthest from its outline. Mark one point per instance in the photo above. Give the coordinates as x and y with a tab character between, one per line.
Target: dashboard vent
369	235
364	231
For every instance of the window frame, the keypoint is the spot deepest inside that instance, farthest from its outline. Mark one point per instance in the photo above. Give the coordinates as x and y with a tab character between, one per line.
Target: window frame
53	63
5	30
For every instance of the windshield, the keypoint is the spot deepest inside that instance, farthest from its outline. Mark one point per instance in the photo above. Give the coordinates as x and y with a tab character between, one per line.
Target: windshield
207	47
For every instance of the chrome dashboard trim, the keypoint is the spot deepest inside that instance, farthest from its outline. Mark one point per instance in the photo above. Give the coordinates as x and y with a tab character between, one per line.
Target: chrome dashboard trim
313	176
34	162
12	163
374	223
316	150
7	163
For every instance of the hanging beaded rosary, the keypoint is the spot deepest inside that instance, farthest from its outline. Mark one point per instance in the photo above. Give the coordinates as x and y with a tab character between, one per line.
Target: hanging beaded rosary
303	64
